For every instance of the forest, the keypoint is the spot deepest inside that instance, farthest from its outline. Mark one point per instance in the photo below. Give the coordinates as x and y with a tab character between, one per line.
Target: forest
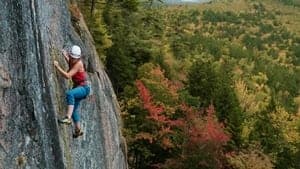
203	86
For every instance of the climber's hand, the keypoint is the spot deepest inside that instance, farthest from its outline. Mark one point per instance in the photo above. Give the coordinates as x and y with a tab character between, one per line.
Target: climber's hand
55	63
64	52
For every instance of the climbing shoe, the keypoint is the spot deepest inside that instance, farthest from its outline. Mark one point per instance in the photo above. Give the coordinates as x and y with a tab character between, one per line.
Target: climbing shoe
77	133
66	120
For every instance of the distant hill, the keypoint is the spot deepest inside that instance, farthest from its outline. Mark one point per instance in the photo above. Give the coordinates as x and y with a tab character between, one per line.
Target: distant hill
185	1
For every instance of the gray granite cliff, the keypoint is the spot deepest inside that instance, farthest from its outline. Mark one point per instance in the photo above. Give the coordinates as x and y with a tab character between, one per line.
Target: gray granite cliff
32	93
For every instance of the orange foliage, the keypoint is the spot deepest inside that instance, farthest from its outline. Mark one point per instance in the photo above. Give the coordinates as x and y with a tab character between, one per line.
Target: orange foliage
166	142
144	136
165	130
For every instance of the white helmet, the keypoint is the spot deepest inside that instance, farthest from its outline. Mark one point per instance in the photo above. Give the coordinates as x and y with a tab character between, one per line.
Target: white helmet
75	52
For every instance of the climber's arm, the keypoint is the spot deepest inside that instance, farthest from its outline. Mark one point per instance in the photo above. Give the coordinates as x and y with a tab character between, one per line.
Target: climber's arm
69	74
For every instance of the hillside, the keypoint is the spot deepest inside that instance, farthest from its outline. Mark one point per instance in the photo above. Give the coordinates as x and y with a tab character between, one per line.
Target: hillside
184	1
213	85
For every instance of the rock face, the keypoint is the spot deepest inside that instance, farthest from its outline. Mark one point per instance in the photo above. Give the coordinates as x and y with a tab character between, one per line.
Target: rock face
32	93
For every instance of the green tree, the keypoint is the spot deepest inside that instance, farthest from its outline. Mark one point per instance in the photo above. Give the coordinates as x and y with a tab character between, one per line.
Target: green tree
214	87
130	47
202	82
120	67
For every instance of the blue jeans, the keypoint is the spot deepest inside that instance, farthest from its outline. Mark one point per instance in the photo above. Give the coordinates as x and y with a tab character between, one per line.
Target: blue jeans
74	96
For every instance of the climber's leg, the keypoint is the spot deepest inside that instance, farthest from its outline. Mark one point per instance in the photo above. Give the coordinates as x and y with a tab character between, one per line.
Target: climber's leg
67	119
76	118
77	93
75	114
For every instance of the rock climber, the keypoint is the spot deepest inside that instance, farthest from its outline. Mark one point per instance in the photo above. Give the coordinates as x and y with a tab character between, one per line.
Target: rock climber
80	88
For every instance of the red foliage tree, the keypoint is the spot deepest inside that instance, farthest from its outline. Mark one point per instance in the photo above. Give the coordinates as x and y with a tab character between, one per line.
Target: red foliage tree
154	110
156	114
204	135
213	131
207	130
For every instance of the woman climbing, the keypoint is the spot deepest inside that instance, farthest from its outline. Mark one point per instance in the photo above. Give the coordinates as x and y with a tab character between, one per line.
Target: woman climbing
80	88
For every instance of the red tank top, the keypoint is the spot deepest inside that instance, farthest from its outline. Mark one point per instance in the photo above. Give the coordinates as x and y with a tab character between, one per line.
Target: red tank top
79	79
